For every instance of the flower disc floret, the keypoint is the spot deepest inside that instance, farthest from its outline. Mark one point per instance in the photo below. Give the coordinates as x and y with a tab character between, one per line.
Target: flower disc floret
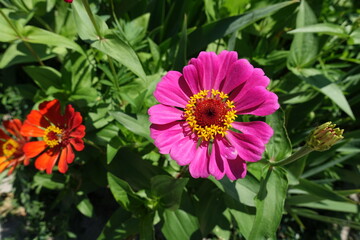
10	147
209	113
53	136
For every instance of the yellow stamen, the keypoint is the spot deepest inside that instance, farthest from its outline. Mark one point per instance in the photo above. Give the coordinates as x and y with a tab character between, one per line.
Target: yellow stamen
209	132
10	147
52	136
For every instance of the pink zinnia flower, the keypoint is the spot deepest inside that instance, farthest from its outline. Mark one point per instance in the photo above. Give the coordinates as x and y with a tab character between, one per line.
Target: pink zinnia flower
195	120
68	1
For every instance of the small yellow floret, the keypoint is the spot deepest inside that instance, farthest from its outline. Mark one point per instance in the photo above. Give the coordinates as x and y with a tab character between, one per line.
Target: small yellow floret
55	137
208	133
10	147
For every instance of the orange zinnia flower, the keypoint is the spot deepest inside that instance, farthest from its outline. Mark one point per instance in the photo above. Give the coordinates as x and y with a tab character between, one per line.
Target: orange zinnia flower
60	134
11	148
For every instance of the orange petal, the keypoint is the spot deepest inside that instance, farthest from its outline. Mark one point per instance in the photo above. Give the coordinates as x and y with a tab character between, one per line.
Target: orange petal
63	167
3	165
3	135
13	126
32	149
70	154
46	161
31	130
77	143
37	119
79	132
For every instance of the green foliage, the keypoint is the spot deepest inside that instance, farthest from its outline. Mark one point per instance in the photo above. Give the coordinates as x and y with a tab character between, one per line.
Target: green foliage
106	57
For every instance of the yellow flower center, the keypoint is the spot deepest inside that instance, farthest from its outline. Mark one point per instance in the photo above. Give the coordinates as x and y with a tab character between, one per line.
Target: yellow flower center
10	147
209	113
53	136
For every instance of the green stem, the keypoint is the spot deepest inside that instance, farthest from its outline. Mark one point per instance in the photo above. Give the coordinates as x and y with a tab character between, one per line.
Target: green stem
92	18
300	153
27	45
114	78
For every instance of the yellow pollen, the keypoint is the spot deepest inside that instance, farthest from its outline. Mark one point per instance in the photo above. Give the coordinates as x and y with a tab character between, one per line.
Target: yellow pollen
10	147
52	136
215	114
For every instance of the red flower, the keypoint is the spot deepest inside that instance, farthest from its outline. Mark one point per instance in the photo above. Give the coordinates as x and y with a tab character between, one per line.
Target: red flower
60	133
11	148
68	1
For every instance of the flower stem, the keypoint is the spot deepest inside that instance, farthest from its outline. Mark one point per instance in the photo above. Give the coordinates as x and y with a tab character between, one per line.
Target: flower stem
300	153
27	45
92	18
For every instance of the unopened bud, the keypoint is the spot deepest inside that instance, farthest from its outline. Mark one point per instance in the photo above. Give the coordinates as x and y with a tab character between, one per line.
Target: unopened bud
324	137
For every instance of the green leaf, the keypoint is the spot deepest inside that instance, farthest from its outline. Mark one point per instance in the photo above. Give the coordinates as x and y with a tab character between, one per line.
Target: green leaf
112	148
269	204
168	190
19	53
38	35
208	33
326	28
120	226
146	228
123	193
318	80
137	126
311	201
304	47
45	77
85	207
279	146
85	27
320	190
116	48
53	181
178	225
323	218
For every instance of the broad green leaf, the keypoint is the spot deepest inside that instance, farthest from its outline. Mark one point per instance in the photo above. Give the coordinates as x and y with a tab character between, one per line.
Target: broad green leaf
178	225
136	126
146	228
317	79
325	28
269	204
112	148
304	47
119	50
355	37
120	226
85	207
38	35
279	146
323	218
123	193
45	77
129	166
168	190
7	33
19	53
53	181
208	33
319	190
85	27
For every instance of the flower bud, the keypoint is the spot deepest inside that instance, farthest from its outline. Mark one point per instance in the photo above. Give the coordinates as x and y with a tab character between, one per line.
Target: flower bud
324	137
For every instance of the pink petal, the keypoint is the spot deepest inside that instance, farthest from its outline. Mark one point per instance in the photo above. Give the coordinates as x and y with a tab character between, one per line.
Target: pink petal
192	78
157	129
161	114
165	140
238	73
249	148
173	90
258	129
207	66
257	101
216	161
183	151
226	59
235	169
199	164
